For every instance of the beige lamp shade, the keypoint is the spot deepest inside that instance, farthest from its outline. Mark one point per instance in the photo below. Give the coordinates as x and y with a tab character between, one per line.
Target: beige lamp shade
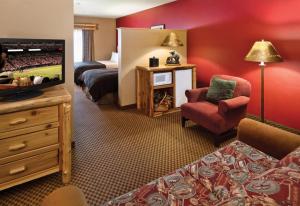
263	51
172	40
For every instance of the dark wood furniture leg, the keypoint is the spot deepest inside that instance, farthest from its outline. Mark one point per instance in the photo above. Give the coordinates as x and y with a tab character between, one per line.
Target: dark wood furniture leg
217	141
183	120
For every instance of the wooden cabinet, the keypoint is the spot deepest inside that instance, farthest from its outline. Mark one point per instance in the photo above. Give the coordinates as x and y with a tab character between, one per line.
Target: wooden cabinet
35	138
172	80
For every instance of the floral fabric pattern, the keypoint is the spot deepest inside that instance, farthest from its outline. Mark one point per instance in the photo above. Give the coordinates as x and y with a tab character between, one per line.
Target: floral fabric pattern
235	175
277	186
292	160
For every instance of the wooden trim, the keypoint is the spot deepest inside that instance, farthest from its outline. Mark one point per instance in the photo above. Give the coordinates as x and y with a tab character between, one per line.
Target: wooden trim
28	130
28	178
163	68
28	118
174	110
174	88
194	75
151	95
86	26
164	86
65	162
36	123
145	86
138	95
275	124
28	154
130	106
50	97
28	142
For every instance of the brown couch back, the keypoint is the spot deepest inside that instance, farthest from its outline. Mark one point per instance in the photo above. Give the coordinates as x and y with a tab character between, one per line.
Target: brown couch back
270	140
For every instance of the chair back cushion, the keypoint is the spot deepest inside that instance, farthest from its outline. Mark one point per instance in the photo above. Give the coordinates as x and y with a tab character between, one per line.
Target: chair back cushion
243	87
220	89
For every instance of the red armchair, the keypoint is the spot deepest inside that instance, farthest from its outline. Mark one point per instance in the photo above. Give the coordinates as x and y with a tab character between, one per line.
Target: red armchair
217	118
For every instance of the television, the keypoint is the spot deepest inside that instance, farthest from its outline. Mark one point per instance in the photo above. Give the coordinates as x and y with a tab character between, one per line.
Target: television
30	64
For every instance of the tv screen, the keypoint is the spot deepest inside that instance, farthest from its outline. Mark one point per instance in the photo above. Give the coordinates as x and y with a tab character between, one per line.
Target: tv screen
27	64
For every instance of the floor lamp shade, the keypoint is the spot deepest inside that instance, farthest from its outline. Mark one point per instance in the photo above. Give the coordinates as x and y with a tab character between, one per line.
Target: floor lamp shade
263	51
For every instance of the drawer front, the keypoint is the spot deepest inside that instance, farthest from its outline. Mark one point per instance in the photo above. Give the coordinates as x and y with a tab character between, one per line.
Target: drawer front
28	118
24	143
21	168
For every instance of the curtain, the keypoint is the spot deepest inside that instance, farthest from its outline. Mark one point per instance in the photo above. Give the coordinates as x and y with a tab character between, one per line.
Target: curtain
78	46
88	45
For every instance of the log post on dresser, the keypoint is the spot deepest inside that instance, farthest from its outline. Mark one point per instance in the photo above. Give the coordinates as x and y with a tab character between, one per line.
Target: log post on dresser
35	138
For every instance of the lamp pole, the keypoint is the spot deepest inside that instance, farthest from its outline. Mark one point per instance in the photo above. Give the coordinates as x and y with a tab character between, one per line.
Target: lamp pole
263	51
262	92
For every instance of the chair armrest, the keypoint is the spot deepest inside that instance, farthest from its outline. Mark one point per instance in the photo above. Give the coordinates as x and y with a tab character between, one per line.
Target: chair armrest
231	104
196	95
270	140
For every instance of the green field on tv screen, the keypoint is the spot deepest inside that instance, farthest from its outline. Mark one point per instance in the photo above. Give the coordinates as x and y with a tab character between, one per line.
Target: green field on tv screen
47	71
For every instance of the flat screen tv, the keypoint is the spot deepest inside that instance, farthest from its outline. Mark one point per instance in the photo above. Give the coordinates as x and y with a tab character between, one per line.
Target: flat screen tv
30	64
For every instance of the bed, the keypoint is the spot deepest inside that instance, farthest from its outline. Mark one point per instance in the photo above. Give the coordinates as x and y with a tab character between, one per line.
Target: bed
97	78
112	63
81	67
99	82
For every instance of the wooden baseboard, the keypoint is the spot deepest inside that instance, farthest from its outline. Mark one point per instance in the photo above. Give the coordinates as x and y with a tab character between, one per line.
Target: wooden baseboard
130	106
275	124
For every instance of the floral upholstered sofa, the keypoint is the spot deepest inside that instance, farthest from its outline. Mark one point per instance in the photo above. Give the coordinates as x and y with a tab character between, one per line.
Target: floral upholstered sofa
236	175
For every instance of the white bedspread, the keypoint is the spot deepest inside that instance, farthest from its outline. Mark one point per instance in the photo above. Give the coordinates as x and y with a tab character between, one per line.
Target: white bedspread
109	64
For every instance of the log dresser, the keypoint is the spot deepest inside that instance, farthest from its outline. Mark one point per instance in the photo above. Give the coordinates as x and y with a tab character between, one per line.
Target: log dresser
35	138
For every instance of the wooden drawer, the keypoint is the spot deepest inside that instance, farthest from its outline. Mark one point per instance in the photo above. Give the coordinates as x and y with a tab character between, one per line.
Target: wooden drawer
28	118
21	168
27	142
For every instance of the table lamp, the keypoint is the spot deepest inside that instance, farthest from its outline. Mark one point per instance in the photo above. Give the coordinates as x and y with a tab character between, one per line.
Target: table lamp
172	40
263	52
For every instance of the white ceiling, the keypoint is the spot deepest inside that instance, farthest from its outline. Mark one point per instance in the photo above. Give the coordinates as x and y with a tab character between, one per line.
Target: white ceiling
114	8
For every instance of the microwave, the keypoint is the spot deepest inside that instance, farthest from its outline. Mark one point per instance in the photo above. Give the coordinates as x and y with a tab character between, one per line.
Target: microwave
162	78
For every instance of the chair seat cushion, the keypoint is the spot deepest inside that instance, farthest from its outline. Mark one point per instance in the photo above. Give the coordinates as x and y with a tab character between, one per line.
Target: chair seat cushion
200	108
205	114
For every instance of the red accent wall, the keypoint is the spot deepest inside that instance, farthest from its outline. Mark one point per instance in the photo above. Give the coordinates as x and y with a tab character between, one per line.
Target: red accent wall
221	32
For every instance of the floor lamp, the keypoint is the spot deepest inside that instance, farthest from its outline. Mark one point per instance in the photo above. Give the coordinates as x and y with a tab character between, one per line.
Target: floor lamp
263	51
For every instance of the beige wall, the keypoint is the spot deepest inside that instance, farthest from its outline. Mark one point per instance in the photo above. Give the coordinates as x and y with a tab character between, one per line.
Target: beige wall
105	36
135	48
41	20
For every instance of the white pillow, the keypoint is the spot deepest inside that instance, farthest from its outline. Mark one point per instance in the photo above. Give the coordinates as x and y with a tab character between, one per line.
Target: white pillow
114	57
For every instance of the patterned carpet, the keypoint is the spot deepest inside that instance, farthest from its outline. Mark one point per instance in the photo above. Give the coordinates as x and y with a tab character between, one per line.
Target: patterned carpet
117	151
